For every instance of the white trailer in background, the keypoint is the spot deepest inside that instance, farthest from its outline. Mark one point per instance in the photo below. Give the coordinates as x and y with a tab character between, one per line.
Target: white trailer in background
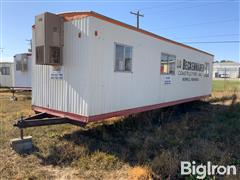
88	67
17	74
22	71
6	74
226	69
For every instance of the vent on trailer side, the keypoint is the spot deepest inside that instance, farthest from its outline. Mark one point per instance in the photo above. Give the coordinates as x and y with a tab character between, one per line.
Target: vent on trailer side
49	39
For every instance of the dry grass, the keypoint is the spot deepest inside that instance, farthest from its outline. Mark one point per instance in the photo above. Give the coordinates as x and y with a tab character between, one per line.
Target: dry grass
52	158
139	173
148	145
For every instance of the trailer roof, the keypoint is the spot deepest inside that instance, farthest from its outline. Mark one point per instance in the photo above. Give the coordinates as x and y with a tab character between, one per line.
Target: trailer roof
27	54
68	16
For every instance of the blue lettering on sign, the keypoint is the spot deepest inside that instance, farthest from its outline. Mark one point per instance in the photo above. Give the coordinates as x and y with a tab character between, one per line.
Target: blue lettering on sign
167	80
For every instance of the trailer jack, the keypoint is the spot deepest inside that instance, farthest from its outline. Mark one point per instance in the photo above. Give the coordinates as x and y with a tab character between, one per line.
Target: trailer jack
24	144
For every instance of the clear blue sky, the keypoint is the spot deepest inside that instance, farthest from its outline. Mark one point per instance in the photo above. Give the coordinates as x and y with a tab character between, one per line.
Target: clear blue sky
183	21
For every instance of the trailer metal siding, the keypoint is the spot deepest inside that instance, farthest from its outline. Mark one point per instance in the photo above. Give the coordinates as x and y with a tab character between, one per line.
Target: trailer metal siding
91	88
114	91
71	93
69	16
6	80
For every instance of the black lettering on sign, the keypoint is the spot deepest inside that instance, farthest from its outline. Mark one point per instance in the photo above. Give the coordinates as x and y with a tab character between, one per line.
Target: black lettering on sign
192	66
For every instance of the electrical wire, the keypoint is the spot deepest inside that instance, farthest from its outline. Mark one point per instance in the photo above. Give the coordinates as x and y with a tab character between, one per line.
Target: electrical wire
203	23
170	10
211	42
173	10
207	36
158	7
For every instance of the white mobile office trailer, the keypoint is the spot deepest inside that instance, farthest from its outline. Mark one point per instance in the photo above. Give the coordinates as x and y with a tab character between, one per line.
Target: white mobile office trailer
22	71
6	74
89	67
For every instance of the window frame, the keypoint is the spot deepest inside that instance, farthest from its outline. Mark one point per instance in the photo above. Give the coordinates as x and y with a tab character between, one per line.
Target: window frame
163	53
207	69
5	74
18	65
115	51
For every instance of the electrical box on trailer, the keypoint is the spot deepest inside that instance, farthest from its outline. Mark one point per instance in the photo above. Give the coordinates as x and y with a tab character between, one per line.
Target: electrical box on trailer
49	39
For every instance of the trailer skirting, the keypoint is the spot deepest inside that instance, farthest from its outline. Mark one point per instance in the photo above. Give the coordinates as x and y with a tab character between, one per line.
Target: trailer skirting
125	112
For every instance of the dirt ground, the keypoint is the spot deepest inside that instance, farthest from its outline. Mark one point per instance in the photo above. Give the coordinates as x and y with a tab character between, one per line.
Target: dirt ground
144	146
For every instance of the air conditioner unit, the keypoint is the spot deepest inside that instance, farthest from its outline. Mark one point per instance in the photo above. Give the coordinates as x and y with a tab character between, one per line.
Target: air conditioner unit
49	39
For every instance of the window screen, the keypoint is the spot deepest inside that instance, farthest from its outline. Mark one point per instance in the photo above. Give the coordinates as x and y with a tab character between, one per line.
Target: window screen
123	58
168	64
5	70
206	69
24	64
21	65
18	65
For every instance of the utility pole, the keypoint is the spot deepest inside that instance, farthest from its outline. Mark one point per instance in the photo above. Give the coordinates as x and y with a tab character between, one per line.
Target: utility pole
1	55
138	15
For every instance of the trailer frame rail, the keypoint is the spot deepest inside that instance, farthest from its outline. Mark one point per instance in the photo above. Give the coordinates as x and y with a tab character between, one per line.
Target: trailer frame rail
43	119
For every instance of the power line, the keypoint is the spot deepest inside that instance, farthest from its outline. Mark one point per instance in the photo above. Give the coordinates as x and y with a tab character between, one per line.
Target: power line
209	22
211	42
137	14
157	7
173	10
206	36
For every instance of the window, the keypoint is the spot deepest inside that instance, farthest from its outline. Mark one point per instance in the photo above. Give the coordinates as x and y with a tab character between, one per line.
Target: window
5	70
123	58
168	64
21	65
206	69
24	64
18	65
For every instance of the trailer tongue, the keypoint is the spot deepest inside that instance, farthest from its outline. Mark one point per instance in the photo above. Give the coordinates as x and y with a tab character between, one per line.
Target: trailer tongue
44	119
24	144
